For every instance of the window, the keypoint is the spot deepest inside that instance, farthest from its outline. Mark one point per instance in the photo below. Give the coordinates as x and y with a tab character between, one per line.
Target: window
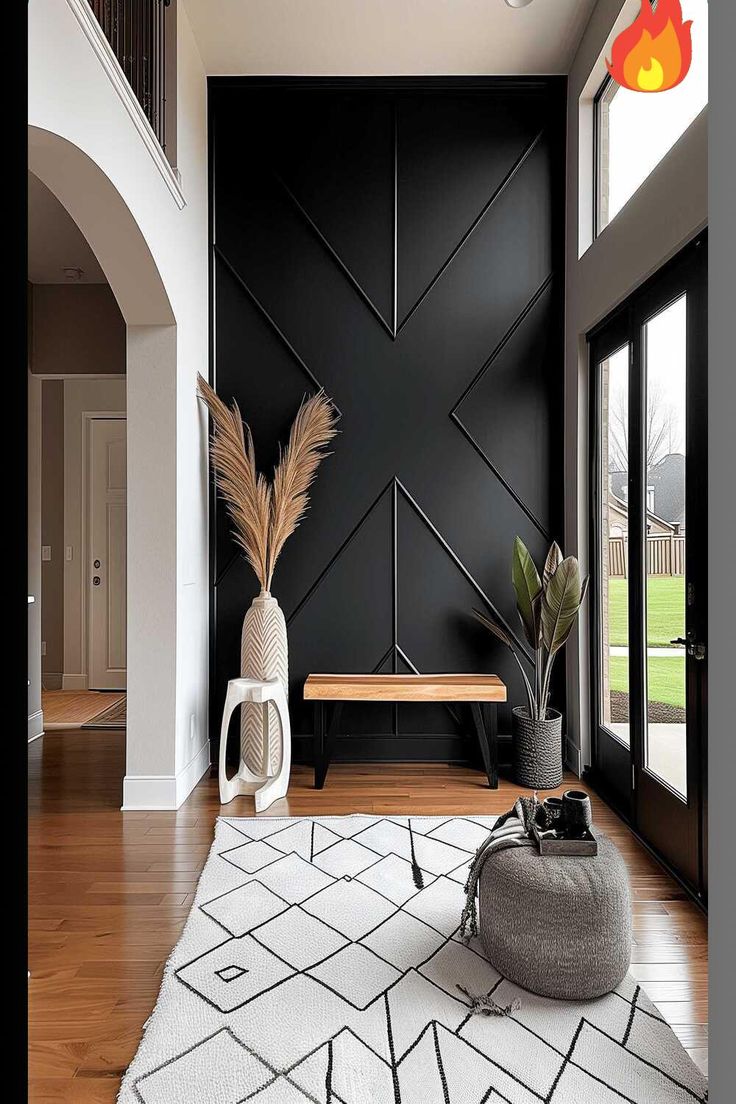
635	130
664	355
662	420
613	520
648	557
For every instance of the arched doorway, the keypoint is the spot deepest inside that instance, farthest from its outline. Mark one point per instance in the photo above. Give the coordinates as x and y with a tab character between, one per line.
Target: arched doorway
109	227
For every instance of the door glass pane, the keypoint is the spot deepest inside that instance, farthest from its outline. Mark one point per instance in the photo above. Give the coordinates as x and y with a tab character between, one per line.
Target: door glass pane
666	732
614	596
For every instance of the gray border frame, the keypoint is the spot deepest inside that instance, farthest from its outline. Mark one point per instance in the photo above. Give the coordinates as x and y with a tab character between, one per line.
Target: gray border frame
722	533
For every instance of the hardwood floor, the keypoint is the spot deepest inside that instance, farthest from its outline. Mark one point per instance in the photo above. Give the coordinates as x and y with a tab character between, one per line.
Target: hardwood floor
109	894
67	708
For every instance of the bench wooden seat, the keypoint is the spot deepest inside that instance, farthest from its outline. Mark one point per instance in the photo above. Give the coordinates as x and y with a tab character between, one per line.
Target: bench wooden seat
482	692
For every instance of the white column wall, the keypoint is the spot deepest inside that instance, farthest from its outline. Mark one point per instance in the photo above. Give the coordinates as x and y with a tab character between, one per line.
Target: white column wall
152	579
35	712
192	747
85	143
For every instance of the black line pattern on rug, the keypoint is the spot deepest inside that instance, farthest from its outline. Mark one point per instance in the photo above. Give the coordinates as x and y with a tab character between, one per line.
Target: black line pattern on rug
567	1058
440	1067
415	868
328	1078
631	1016
392	1052
549	1093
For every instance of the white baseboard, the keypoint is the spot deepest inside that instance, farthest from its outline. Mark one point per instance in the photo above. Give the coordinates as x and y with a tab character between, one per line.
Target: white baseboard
164	791
74	682
52	680
35	725
573	758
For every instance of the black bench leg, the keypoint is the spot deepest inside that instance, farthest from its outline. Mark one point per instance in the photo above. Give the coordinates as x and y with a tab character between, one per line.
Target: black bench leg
321	761
492	734
486	730
324	738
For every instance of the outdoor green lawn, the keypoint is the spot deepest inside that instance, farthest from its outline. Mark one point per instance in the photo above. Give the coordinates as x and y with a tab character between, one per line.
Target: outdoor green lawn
665	610
665	621
665	678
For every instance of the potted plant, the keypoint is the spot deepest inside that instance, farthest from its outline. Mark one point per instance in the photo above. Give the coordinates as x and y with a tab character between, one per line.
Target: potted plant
548	608
264	514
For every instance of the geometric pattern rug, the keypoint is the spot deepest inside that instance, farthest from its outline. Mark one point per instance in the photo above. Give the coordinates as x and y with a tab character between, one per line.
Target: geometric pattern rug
321	962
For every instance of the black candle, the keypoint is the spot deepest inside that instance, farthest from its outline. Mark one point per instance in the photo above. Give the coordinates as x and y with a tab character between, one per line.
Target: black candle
552	807
576	812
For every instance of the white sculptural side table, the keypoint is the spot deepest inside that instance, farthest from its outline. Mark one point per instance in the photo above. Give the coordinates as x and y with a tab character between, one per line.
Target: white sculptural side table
275	785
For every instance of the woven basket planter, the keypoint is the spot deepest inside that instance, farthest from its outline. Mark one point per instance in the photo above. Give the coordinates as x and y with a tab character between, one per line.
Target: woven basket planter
537	749
264	655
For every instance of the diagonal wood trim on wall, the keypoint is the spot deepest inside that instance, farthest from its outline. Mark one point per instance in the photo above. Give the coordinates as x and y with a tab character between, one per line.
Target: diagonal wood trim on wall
400	244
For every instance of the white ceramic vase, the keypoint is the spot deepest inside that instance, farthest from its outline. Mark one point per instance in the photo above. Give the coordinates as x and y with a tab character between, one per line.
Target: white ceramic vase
264	655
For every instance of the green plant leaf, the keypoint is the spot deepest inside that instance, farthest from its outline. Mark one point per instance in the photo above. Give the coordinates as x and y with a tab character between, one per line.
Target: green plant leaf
583	592
553	561
502	635
494	628
527	586
560	604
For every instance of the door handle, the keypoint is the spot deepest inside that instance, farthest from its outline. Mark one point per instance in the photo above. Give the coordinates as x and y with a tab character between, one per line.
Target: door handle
692	646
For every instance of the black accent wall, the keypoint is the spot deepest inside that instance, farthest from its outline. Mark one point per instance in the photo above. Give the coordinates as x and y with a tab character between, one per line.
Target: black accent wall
400	243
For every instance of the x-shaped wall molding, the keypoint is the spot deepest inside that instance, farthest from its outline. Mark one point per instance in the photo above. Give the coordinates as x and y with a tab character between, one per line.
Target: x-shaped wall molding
435	396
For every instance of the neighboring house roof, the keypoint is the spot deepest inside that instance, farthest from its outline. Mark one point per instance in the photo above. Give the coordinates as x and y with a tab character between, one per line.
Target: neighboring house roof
620	507
667	480
617	481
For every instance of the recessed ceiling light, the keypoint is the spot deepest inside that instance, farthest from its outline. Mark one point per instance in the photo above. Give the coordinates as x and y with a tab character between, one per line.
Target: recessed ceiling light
73	274
518	3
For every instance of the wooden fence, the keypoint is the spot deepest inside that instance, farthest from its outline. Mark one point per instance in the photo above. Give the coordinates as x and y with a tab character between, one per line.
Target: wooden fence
665	555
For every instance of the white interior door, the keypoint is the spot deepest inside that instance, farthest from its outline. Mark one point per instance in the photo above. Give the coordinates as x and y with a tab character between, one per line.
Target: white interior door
106	567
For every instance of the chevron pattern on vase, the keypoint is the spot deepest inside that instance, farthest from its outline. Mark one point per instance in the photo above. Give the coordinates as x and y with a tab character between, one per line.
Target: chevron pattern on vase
264	654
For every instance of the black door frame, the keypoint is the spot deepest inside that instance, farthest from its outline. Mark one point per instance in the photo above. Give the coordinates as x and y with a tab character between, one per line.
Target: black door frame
655	812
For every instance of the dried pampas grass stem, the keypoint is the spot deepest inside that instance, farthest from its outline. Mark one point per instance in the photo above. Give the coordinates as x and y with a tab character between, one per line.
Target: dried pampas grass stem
313	429
264	515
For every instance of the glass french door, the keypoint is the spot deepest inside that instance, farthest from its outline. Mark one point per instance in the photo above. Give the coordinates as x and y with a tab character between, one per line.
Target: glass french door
648	555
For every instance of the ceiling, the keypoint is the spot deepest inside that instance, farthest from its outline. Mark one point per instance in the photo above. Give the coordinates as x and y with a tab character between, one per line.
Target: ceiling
55	241
389	37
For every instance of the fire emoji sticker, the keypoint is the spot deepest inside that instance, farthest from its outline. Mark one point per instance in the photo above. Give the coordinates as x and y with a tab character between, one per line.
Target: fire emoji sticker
655	52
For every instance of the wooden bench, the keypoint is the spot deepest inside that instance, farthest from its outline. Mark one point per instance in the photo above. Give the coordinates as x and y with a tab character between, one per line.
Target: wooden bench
482	692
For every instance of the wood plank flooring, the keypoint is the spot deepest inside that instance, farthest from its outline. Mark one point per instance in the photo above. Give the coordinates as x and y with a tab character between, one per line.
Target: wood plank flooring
68	708
109	894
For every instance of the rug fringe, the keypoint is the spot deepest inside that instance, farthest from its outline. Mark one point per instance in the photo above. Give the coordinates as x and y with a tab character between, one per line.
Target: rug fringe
483	1004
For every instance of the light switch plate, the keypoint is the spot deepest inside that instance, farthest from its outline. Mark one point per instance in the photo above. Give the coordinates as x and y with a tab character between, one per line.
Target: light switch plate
46	552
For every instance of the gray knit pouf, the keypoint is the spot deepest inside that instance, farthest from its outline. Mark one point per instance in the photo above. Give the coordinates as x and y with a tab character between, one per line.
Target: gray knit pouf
559	925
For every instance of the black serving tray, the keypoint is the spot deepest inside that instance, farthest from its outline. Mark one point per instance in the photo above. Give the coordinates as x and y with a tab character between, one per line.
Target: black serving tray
550	842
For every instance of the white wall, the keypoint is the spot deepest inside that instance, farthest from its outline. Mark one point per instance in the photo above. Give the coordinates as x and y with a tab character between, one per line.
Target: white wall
669	208
80	396
151	387
35	714
88	145
191	470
